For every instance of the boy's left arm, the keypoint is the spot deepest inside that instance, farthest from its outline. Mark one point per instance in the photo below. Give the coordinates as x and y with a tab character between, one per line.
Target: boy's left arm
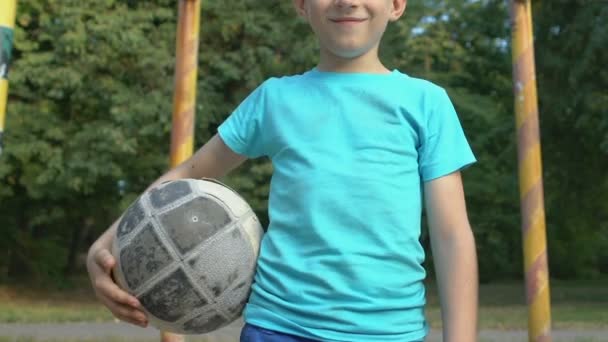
454	255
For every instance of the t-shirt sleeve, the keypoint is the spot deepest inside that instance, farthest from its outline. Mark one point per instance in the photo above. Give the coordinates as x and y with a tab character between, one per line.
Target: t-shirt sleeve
243	130
444	148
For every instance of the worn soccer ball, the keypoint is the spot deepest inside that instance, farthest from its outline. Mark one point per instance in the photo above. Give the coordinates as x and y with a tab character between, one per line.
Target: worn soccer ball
187	250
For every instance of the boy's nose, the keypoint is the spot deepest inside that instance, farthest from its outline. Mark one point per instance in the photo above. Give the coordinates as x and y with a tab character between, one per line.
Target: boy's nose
347	3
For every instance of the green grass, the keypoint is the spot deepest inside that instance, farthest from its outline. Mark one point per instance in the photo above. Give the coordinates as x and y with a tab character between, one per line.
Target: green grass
29	304
580	316
575	305
59	312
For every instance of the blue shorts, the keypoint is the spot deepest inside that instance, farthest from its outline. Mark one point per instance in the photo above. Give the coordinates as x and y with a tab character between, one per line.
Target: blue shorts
252	333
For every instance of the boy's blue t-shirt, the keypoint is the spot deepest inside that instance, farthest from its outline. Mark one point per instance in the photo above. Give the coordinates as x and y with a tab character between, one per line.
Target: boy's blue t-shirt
341	260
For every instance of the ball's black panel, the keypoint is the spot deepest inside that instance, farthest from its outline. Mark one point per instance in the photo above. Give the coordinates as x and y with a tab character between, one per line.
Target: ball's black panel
141	259
172	298
132	217
204	323
194	222
169	194
223	262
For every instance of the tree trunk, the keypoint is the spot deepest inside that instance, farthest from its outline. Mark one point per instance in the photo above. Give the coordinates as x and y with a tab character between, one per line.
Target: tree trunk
78	235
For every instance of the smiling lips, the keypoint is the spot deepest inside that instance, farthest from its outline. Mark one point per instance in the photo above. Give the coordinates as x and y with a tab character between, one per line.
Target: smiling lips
347	20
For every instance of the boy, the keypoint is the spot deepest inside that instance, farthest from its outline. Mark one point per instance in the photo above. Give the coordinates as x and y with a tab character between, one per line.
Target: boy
354	148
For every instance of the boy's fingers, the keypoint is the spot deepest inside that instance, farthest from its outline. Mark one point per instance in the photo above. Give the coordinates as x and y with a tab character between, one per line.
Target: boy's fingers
118	295
105	259
127	314
123	305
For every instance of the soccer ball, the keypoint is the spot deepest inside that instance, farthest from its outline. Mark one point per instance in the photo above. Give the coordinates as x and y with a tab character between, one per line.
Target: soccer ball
187	250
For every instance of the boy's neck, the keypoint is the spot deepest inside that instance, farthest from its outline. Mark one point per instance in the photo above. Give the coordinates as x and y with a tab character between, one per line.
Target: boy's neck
366	63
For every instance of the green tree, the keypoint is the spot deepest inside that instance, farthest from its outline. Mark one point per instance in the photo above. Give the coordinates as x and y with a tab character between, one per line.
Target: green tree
571	38
90	89
90	112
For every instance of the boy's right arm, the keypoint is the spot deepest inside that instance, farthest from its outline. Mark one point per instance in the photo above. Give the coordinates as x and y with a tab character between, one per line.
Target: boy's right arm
213	160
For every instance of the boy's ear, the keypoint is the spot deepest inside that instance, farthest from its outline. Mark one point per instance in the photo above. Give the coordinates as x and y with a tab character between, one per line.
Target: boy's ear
300	6
398	9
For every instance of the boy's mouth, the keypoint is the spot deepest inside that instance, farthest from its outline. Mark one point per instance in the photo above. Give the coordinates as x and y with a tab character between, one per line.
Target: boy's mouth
347	20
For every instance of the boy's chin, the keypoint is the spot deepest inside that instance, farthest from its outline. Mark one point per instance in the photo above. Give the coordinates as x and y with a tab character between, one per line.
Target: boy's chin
348	53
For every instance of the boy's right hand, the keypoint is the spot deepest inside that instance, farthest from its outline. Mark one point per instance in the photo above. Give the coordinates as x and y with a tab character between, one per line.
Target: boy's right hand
123	306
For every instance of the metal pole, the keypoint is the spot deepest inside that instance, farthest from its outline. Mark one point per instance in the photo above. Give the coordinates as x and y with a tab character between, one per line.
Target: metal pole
7	23
530	174
184	99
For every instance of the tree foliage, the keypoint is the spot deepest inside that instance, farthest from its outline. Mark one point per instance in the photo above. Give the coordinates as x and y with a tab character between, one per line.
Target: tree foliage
90	101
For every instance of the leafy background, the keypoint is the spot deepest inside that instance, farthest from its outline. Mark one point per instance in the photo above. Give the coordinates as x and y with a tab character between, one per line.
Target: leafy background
89	117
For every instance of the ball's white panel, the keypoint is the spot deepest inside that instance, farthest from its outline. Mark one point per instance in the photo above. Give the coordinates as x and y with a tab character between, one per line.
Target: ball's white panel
223	262
234	299
252	227
204	322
